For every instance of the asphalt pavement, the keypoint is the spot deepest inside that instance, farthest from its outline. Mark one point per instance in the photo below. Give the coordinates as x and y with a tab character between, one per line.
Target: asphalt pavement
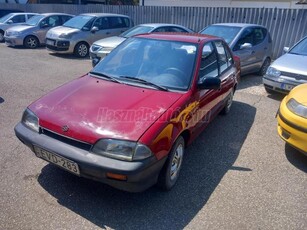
238	174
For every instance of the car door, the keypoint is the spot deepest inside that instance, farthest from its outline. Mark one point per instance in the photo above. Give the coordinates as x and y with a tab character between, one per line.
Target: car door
45	25
216	61
244	49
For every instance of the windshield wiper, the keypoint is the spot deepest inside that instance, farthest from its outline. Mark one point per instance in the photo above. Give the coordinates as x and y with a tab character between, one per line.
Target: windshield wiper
145	82
105	76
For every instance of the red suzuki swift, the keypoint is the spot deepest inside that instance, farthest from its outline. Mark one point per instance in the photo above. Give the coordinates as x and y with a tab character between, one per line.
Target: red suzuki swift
128	121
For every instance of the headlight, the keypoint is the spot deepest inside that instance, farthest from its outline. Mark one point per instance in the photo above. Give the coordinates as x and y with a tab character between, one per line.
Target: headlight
14	33
120	149
66	36
30	120
297	108
271	71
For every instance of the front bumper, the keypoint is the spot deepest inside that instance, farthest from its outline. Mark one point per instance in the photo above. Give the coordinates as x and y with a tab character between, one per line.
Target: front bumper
13	41
60	45
282	84
292	133
140	174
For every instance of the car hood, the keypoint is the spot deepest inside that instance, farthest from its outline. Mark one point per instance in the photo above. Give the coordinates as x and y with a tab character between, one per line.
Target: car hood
56	31
291	63
20	28
93	108
110	41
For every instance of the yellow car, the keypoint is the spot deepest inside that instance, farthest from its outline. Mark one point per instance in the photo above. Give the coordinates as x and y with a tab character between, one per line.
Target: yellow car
292	118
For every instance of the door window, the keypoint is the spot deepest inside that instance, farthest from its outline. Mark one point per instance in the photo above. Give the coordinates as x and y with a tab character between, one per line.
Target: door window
209	65
254	36
102	23
117	22
51	21
225	60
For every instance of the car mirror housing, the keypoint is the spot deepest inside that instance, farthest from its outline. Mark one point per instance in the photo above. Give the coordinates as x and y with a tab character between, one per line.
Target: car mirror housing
245	46
10	22
94	29
210	83
286	49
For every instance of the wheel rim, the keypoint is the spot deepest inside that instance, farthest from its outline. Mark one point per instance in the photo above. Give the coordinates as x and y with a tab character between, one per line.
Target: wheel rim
82	50
176	162
1	37
32	42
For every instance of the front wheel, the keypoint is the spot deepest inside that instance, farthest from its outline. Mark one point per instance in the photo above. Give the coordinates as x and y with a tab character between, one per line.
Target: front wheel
171	169
31	42
81	50
264	67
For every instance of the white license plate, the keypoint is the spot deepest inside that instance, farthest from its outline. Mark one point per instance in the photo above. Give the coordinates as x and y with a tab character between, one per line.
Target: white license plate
58	160
286	86
50	42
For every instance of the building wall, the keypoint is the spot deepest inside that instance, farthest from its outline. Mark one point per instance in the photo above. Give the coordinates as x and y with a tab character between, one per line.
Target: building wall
226	3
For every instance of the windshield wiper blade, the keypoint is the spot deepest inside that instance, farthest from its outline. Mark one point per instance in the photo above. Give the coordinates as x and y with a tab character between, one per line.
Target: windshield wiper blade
145	82
105	76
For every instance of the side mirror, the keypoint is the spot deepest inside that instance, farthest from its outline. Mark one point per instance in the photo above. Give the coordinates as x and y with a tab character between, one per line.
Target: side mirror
286	49
45	25
9	22
210	83
245	46
94	29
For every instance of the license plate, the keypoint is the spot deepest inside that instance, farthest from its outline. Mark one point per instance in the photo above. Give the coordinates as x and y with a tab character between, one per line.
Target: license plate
50	42
56	159
286	86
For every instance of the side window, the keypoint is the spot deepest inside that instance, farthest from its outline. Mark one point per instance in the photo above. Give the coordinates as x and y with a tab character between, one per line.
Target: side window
161	29
246	37
65	18
102	23
51	21
19	19
176	29
259	36
117	22
30	15
209	65
222	56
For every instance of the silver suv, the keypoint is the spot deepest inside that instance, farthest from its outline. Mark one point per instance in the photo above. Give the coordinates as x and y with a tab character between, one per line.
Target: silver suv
12	19
79	33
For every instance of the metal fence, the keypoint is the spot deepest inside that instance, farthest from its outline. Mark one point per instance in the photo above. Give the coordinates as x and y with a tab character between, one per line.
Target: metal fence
286	26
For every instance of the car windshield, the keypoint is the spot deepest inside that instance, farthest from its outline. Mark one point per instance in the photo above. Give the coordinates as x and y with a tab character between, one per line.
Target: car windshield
81	22
136	30
159	64
300	48
35	20
226	32
5	18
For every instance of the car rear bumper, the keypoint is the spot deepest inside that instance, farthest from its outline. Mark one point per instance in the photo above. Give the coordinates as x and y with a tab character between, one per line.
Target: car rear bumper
140	174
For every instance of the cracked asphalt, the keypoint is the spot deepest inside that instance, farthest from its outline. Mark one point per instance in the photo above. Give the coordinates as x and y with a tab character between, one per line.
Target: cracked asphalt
238	174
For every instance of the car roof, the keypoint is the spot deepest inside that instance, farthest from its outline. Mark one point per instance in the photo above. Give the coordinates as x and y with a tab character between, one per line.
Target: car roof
242	25
159	24
22	13
50	14
180	37
104	14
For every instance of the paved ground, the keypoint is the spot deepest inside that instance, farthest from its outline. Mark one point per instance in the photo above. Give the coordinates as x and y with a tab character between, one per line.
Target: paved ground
237	175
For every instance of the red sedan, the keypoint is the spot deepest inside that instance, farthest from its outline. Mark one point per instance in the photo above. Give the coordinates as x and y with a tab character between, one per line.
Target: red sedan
128	121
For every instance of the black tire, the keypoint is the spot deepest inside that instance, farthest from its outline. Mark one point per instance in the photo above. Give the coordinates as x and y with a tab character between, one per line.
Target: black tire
81	50
171	169
228	104
268	90
264	66
31	42
1	36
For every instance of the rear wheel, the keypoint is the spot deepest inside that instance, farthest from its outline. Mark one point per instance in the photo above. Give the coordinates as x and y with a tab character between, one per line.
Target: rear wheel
171	169
264	66
1	36
31	42
228	105
81	50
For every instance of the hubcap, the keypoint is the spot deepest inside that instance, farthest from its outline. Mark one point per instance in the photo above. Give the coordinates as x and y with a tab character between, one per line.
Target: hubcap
32	42
82	50
176	162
